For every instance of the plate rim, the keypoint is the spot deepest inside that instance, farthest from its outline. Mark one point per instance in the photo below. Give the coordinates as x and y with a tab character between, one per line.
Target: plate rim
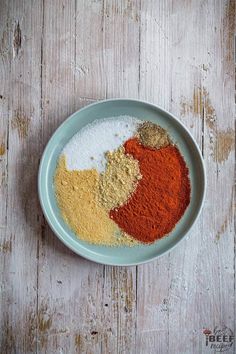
40	176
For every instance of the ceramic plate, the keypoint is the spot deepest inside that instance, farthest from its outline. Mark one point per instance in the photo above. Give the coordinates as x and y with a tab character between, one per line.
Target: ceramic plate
111	108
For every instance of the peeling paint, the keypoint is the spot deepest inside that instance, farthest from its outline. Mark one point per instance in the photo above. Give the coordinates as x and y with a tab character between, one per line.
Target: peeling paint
185	106
21	123
79	343
126	9
228	35
44	323
223	145
6	247
222	228
200	105
227	219
197	100
4	47
44	319
2	149
8	337
209	110
31	331
129	291
2	177
37	328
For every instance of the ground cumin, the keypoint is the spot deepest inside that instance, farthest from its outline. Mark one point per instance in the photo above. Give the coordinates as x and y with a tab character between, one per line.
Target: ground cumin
153	136
119	180
77	196
161	196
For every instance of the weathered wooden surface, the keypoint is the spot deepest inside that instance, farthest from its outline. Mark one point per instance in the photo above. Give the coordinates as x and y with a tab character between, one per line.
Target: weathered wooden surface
57	56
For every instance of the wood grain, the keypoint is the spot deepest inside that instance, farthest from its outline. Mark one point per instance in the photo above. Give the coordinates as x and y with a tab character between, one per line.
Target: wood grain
56	57
19	261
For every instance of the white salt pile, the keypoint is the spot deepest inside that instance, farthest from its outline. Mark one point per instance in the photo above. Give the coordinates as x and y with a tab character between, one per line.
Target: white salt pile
87	148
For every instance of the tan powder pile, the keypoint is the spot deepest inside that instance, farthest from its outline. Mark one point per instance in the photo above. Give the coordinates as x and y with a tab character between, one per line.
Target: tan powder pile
152	135
119	180
77	195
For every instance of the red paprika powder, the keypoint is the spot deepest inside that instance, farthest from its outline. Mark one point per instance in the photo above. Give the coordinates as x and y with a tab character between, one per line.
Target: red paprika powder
161	196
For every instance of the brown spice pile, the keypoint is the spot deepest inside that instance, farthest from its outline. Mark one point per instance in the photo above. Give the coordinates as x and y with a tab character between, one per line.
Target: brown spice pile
153	136
119	180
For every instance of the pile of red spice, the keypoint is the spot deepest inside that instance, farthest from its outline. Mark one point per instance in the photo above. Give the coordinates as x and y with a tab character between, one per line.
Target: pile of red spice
161	196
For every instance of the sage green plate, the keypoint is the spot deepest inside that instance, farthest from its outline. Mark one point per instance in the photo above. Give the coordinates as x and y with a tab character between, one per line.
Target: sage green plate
110	108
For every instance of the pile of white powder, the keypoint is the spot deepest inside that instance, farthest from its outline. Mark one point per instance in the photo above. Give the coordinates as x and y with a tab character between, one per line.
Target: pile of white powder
87	148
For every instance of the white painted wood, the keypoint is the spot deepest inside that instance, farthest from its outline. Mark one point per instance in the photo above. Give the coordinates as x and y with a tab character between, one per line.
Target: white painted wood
21	119
121	55
68	285
56	57
153	280
198	280
4	68
5	241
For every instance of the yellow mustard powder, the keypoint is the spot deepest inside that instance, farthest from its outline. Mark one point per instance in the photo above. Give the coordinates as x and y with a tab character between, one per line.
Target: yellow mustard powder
119	180
77	194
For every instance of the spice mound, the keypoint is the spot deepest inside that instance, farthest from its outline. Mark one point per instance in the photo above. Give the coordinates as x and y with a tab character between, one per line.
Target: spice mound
161	196
119	180
153	136
131	188
77	196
